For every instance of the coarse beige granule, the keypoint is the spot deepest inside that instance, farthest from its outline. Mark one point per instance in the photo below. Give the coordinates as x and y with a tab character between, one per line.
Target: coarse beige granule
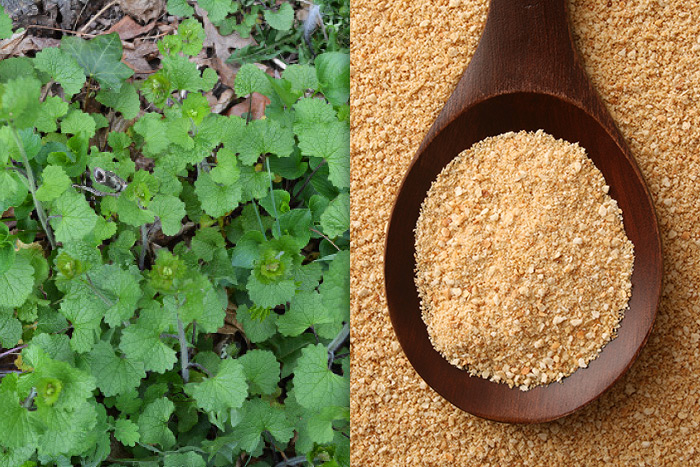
643	56
523	267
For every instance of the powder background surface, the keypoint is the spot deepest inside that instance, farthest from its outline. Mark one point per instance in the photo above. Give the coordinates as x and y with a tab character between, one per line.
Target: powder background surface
643	56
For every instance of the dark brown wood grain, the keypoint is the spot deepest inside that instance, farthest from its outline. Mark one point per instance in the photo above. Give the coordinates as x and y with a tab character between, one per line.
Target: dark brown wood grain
525	75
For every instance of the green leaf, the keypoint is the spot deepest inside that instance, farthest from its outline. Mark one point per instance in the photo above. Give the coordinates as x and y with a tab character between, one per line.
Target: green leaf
184	459
335	220
19	426
226	171
252	79
141	341
281	19
256	330
192	34
259	416
180	8
265	136
114	374
16	67
226	390
16	283
125	100
309	112
52	109
320	425
76	217
62	68
54	182
79	123
170	210
330	141
126	432
20	98
335	288
217	9
302	77
5	24
261	370
216	199
182	74
100	58
153	423
195	107
56	347
305	310
315	385
84	310
153	129
333	71
10	330
130	213
121	288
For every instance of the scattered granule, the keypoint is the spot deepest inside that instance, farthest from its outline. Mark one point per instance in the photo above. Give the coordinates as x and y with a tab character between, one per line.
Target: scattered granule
401	76
522	263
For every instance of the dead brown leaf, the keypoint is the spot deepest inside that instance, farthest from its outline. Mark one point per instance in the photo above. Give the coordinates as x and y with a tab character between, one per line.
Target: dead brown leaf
137	59
255	104
143	10
127	28
220	104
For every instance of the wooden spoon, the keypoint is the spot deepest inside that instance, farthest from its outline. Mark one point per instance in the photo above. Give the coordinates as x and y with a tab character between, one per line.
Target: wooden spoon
525	75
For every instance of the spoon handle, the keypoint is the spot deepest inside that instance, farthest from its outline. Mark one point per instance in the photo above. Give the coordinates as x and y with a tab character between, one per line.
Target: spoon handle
526	47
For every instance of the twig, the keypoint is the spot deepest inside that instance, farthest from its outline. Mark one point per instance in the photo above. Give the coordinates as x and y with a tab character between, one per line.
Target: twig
98	14
337	342
324	236
77	18
200	367
41	214
184	352
308	179
11	351
65	31
94	191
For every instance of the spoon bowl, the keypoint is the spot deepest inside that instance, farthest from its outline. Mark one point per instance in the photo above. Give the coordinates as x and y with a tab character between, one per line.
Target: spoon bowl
525	75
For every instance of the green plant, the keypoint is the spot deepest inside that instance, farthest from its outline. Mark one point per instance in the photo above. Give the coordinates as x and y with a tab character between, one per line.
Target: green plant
190	314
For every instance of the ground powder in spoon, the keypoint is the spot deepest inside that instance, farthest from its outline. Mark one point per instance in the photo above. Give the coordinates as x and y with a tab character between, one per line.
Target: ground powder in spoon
522	263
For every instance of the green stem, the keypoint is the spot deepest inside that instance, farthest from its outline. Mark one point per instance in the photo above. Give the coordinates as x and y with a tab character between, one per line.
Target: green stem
272	196
257	214
184	355
41	214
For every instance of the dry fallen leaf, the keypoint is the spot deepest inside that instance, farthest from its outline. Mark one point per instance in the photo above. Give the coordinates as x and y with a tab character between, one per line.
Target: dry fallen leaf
143	10
137	59
255	104
127	28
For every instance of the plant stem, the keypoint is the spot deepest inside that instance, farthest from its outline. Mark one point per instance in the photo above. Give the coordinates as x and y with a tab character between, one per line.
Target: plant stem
257	214
337	342
144	247
11	351
184	354
308	179
324	236
272	196
41	214
292	461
